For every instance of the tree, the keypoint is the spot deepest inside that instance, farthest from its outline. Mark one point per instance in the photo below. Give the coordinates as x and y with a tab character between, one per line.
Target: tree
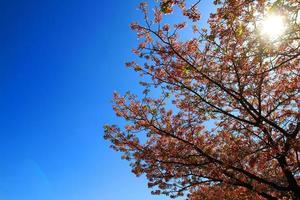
226	124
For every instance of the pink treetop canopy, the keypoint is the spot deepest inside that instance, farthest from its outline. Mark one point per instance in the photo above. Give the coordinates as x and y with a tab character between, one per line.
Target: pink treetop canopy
233	130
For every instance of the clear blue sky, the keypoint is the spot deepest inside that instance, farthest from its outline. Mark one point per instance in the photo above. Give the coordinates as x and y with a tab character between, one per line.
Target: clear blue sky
60	61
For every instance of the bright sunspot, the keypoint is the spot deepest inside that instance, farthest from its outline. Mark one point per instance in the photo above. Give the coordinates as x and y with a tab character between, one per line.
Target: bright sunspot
273	26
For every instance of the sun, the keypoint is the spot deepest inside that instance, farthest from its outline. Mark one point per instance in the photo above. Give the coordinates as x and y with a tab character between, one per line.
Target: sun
273	26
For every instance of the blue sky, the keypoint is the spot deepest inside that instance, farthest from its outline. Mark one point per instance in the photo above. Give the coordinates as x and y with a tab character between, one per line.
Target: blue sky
60	61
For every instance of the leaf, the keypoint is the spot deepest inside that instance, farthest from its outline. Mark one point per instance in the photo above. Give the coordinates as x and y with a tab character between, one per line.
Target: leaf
186	70
166	7
240	30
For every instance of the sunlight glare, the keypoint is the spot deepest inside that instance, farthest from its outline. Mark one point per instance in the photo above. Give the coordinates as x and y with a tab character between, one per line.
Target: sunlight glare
273	26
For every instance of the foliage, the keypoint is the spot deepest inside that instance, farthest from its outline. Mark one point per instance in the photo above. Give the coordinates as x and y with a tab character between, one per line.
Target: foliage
234	130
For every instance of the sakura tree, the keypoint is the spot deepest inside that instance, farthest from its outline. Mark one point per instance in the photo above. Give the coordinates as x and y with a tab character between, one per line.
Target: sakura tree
226	124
